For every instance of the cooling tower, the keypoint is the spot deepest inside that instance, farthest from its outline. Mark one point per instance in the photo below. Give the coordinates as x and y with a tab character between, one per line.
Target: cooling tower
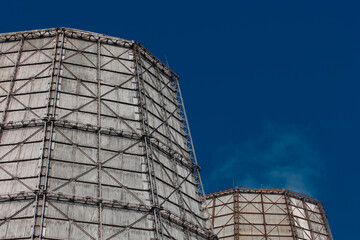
95	143
264	214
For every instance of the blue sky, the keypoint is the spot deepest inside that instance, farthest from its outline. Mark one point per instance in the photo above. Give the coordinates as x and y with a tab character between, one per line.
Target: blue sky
271	87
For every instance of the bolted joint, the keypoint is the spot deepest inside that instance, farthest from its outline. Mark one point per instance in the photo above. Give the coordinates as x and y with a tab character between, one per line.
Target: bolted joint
196	168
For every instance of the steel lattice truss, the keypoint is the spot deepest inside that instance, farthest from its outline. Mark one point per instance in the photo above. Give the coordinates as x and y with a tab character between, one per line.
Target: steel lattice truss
95	142
264	214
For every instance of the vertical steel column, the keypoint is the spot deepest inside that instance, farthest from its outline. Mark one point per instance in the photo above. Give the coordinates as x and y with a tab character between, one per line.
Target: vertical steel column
324	217
190	144
13	76
263	214
187	128
213	212
290	215
148	147
51	118
39	190
98	155
308	219
169	142
236	196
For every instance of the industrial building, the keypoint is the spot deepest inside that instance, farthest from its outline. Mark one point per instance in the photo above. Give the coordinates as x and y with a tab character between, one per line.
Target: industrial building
267	214
95	143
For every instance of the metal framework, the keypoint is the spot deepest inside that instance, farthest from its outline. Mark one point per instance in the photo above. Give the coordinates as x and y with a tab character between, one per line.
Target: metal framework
94	142
267	214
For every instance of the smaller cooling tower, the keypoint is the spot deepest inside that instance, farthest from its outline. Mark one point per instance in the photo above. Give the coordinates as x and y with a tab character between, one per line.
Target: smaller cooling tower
264	214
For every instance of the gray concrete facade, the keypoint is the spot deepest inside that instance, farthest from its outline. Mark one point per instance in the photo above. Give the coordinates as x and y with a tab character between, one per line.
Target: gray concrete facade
94	141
